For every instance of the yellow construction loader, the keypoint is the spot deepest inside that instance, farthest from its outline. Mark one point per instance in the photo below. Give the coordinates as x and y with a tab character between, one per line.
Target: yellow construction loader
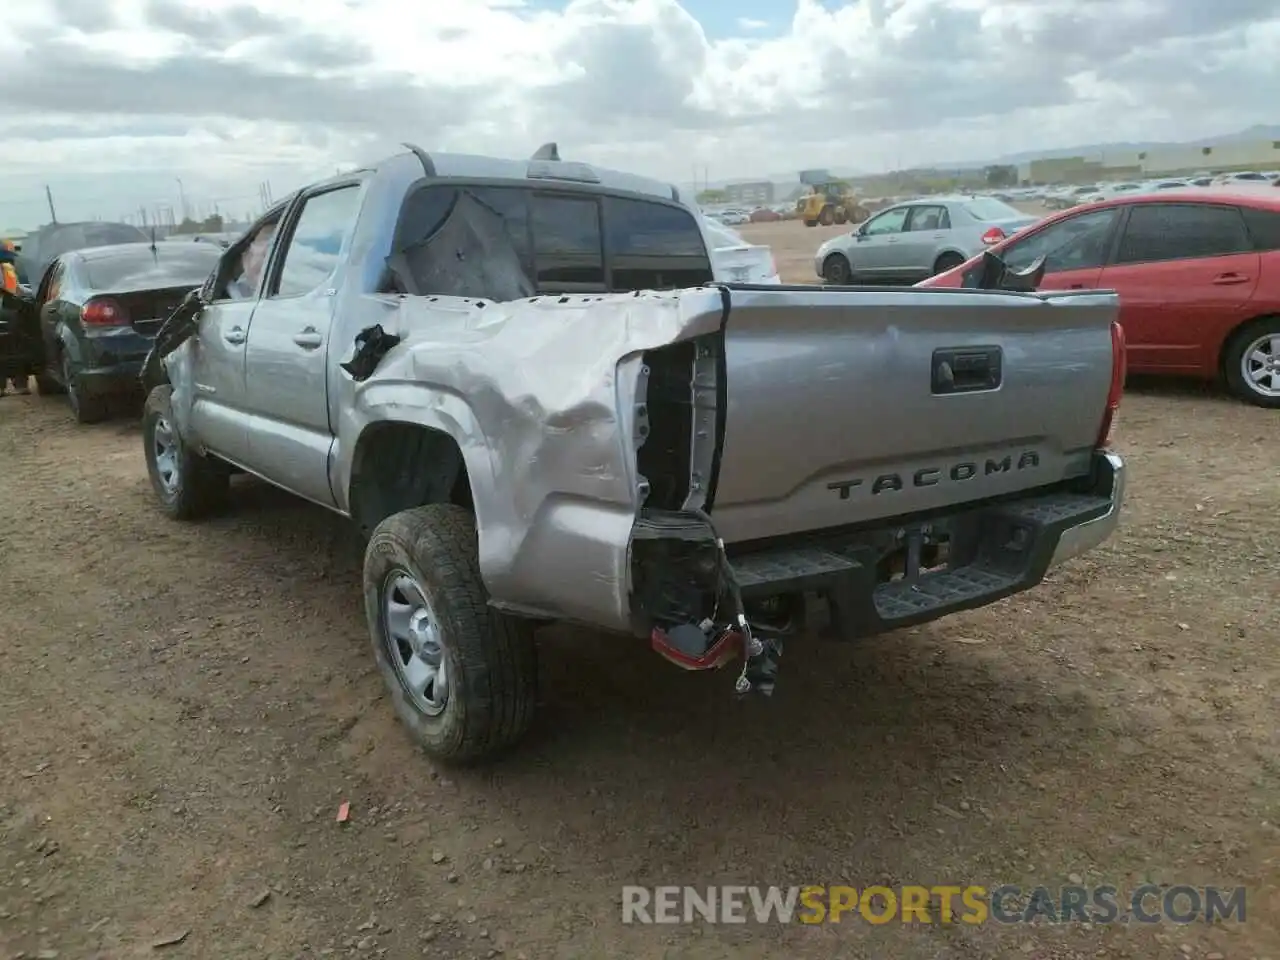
828	203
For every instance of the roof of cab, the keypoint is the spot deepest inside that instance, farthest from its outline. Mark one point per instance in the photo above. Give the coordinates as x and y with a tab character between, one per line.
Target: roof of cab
472	166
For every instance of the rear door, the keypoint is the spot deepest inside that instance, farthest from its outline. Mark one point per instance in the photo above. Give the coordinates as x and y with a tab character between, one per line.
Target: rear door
1185	273
286	355
928	228
1075	249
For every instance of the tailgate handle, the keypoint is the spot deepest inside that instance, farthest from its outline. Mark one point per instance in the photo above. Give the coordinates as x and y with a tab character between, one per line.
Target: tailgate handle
966	369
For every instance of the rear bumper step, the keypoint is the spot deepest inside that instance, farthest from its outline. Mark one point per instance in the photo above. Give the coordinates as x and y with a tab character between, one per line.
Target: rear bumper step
995	551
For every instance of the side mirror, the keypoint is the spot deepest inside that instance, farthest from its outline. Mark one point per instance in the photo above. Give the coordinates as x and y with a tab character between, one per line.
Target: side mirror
995	274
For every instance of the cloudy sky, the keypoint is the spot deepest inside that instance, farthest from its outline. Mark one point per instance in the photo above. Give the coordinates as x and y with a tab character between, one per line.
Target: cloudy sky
111	102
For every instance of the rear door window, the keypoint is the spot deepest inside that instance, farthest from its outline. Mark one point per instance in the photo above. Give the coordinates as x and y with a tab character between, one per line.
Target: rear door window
1181	231
929	218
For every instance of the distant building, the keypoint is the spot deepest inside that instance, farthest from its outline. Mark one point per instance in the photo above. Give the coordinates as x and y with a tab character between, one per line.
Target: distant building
1210	157
758	193
1181	160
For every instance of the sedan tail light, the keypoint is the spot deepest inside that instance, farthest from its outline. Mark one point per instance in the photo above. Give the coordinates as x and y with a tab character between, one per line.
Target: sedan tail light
992	236
104	312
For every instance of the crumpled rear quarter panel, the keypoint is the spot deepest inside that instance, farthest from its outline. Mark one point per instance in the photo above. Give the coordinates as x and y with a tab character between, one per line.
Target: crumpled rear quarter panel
539	395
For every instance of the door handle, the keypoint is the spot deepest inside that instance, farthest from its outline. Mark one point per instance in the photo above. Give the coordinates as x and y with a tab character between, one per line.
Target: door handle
1076	286
308	339
234	335
1226	279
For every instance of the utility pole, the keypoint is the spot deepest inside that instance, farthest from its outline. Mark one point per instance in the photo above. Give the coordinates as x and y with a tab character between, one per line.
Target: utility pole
142	212
182	199
53	215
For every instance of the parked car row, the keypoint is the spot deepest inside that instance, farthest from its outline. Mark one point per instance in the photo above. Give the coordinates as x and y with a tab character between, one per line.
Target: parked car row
1197	272
1066	197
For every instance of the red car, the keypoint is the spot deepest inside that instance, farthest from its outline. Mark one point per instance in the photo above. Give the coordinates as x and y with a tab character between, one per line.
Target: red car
1197	271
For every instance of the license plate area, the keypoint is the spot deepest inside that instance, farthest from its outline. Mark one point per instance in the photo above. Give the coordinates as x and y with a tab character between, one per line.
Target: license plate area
918	551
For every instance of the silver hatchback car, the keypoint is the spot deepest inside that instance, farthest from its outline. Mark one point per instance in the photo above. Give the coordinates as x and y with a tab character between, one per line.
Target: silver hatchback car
912	241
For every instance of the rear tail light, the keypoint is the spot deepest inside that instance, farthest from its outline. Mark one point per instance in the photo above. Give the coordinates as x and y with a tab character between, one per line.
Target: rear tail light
1119	360
994	235
104	312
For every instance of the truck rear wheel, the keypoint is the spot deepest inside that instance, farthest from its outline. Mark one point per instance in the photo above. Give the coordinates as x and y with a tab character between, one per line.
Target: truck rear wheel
188	485
462	676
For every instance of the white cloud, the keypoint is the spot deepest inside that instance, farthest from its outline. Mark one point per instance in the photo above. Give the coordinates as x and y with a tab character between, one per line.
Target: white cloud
111	101
748	24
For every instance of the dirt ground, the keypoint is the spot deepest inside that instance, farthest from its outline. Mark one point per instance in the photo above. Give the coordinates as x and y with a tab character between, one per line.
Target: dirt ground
184	708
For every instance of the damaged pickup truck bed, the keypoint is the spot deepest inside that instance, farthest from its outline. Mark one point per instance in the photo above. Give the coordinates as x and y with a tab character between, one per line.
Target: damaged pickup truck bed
519	380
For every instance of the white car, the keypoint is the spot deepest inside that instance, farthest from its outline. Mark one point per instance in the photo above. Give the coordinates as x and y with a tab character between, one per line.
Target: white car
734	260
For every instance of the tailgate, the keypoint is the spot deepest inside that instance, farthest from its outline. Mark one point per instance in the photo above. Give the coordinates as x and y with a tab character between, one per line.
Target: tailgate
852	405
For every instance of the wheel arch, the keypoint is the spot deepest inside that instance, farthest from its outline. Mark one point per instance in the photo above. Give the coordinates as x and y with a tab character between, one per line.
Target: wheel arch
834	254
949	252
399	464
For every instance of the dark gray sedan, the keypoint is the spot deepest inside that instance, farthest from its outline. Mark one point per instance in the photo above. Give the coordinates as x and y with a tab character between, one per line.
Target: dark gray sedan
99	310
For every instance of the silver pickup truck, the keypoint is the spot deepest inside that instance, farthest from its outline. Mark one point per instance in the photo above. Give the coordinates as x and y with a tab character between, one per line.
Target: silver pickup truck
520	380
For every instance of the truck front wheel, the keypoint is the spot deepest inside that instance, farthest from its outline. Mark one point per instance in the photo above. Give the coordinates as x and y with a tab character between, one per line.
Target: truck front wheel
188	485
462	676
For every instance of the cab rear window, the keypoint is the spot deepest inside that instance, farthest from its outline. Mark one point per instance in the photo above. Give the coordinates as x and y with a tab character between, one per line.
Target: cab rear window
569	241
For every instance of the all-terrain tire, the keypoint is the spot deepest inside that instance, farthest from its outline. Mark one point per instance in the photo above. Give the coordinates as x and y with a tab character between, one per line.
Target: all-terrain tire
199	486
491	657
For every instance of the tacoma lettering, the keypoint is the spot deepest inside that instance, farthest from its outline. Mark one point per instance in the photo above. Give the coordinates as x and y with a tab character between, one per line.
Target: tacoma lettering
931	476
